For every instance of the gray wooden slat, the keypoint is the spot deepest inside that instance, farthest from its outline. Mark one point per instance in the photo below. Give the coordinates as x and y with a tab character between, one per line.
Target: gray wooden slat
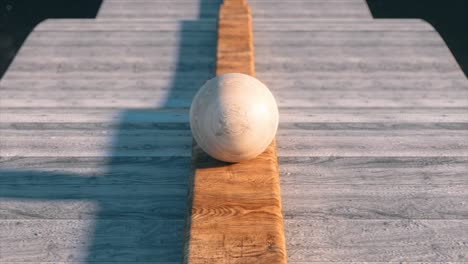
291	9
310	9
86	143
276	85
342	73
361	59
129	241
271	25
334	240
181	123
118	39
156	171
293	170
382	171
126	25
349	201
340	25
165	54
300	201
376	240
371	38
291	142
147	98
377	143
113	72
30	53
138	9
110	200
107	117
384	84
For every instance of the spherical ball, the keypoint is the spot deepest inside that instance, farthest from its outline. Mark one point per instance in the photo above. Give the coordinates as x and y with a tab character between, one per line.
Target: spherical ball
234	117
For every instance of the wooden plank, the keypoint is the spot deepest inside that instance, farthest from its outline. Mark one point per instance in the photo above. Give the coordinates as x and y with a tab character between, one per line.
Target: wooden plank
92	171
206	24
306	9
112	200
293	170
429	84
421	171
107	38
327	98
340	240
79	200
317	59
372	240
124	25
341	25
108	117
173	10
349	141
129	241
361	201
420	53
375	38
236	208
266	9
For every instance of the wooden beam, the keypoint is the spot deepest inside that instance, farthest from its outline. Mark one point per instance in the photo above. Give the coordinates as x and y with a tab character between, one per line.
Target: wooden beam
235	214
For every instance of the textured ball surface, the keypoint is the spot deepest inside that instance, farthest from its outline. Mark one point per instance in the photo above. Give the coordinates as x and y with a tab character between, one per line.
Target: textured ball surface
234	117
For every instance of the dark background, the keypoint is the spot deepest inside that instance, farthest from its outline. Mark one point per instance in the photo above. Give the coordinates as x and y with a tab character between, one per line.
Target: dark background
448	17
19	17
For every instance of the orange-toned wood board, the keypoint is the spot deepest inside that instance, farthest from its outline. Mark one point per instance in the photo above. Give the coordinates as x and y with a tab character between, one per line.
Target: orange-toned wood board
235	214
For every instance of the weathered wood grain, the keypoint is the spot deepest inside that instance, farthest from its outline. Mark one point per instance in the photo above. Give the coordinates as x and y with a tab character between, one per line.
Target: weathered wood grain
424	241
293	170
417	53
162	83
166	201
108	200
340	25
185	9
323	98
292	142
124	38
124	25
206	24
68	240
382	171
401	240
102	117
94	171
147	9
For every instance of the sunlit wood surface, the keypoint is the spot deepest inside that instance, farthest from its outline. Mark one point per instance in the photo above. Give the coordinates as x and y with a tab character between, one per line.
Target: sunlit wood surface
235	209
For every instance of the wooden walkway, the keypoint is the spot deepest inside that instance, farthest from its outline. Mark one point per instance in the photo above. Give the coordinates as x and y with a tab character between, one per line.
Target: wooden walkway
95	144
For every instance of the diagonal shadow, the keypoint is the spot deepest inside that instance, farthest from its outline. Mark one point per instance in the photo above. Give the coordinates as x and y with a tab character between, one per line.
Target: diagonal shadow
449	18
141	195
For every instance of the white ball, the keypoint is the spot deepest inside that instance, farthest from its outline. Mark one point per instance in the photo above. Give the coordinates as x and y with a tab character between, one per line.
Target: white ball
234	117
